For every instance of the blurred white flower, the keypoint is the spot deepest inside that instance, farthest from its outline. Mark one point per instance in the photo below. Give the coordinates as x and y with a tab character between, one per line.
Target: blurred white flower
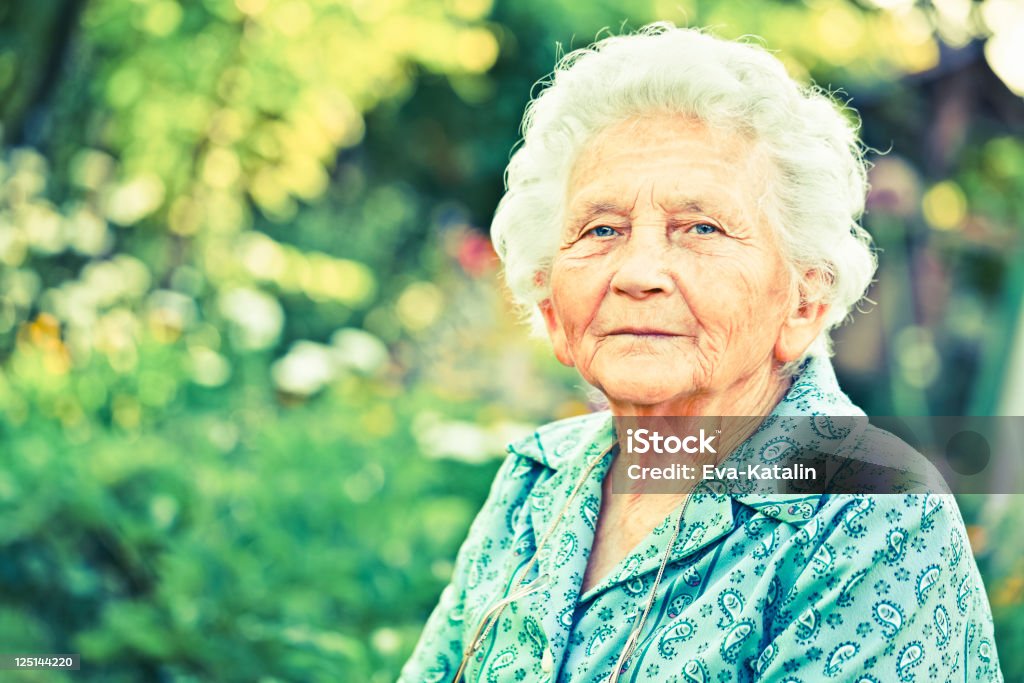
120	278
257	317
42	226
305	369
134	274
359	350
1005	54
134	199
101	282
13	246
20	287
87	233
464	441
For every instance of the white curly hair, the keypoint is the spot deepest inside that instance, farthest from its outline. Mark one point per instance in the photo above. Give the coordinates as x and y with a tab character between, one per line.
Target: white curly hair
816	194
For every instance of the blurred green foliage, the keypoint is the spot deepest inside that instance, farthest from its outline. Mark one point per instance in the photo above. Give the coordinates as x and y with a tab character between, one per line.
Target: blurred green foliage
255	367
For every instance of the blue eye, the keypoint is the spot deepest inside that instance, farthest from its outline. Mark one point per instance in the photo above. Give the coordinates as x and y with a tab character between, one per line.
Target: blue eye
602	231
704	229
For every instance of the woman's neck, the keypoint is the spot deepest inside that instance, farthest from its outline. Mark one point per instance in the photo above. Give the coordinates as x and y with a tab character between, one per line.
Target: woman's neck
754	395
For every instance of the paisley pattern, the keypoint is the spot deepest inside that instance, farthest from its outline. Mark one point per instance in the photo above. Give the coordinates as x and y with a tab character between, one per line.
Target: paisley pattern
889	617
680	632
760	586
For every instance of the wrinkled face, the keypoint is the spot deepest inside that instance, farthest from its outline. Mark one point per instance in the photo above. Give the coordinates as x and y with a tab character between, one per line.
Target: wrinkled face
669	283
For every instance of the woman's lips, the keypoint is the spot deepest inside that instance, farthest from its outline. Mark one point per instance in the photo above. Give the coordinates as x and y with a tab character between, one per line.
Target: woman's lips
644	332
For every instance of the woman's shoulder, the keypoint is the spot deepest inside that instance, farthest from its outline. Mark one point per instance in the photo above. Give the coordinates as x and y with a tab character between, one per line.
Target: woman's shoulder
885	453
921	535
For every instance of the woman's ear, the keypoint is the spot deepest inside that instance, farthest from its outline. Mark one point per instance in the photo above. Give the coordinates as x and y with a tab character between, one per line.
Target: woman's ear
805	318
559	342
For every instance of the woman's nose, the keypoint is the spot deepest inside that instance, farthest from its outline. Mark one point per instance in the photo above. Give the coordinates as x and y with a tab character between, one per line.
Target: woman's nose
642	269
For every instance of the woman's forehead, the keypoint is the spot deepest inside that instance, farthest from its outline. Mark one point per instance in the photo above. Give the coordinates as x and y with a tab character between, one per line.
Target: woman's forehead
663	142
673	162
667	130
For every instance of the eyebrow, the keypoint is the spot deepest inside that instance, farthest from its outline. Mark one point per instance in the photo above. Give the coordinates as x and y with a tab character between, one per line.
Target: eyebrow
591	210
690	206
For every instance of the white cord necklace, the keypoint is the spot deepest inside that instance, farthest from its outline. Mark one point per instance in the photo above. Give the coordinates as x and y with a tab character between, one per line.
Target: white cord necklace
634	636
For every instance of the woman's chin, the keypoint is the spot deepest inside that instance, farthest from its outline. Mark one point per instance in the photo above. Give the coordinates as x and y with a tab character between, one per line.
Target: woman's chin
650	387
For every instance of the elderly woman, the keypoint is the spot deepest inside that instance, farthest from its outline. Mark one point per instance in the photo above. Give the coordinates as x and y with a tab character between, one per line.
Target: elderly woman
682	217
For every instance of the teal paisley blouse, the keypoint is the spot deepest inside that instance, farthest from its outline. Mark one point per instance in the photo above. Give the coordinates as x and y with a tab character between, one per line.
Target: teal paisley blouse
759	586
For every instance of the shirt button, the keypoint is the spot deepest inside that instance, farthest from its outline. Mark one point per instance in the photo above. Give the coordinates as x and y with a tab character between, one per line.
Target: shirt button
547	662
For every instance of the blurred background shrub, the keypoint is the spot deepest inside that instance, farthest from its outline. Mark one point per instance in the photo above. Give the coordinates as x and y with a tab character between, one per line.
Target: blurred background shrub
256	368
